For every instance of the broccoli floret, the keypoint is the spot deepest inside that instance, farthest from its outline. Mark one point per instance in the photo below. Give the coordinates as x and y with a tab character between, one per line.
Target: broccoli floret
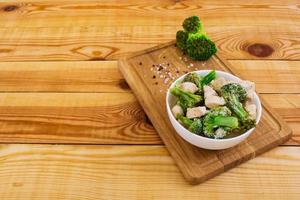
233	96
181	38
208	78
192	24
200	47
194	126
196	79
186	99
199	80
194	41
238	90
219	118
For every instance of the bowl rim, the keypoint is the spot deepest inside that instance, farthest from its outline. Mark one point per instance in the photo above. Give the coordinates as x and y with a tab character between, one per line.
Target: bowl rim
258	117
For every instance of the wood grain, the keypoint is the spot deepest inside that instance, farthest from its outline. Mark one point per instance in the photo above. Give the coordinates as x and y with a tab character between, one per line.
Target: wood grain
197	165
67	13
99	76
137	172
288	106
32	118
61	77
270	77
102	118
111	42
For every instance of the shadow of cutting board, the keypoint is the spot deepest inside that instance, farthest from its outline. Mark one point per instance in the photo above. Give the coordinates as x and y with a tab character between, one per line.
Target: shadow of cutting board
150	72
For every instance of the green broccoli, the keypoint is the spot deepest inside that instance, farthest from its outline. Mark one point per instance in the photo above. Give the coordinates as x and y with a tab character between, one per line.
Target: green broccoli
186	99
194	126
234	95
192	24
237	89
200	47
181	38
194	41
200	81
219	117
208	78
196	79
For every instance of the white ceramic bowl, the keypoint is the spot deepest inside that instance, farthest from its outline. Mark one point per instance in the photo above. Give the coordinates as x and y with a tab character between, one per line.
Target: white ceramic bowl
201	141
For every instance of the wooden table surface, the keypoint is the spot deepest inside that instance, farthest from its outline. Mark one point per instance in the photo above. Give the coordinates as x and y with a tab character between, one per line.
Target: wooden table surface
55	88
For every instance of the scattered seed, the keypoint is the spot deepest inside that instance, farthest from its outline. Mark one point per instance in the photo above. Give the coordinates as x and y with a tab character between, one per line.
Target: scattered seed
160	68
166	80
156	83
140	63
164	56
154	76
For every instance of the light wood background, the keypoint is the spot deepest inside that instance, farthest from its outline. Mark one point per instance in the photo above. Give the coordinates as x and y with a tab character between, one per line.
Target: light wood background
49	59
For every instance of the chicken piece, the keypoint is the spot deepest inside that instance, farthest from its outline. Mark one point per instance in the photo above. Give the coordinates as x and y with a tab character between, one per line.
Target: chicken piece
220	133
249	87
189	87
214	101
177	110
208	91
211	97
251	109
196	112
218	83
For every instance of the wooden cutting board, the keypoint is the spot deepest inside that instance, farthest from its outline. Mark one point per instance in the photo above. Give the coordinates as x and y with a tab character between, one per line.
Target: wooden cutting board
150	72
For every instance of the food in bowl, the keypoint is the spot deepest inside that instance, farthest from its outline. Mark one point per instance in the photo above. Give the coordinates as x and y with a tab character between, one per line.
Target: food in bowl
213	106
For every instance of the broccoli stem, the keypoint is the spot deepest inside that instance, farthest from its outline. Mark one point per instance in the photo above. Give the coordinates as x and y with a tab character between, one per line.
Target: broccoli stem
237	107
209	77
231	122
186	121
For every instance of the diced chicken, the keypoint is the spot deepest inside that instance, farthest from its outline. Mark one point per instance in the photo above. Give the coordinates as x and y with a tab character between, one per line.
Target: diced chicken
249	87
211	97
189	87
177	110
214	101
218	83
196	112
251	109
220	133
208	91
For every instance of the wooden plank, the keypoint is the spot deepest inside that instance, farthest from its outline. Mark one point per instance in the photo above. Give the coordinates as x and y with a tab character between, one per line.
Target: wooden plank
110	42
67	13
19	110
99	76
61	77
197	165
270	77
137	172
288	106
102	118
